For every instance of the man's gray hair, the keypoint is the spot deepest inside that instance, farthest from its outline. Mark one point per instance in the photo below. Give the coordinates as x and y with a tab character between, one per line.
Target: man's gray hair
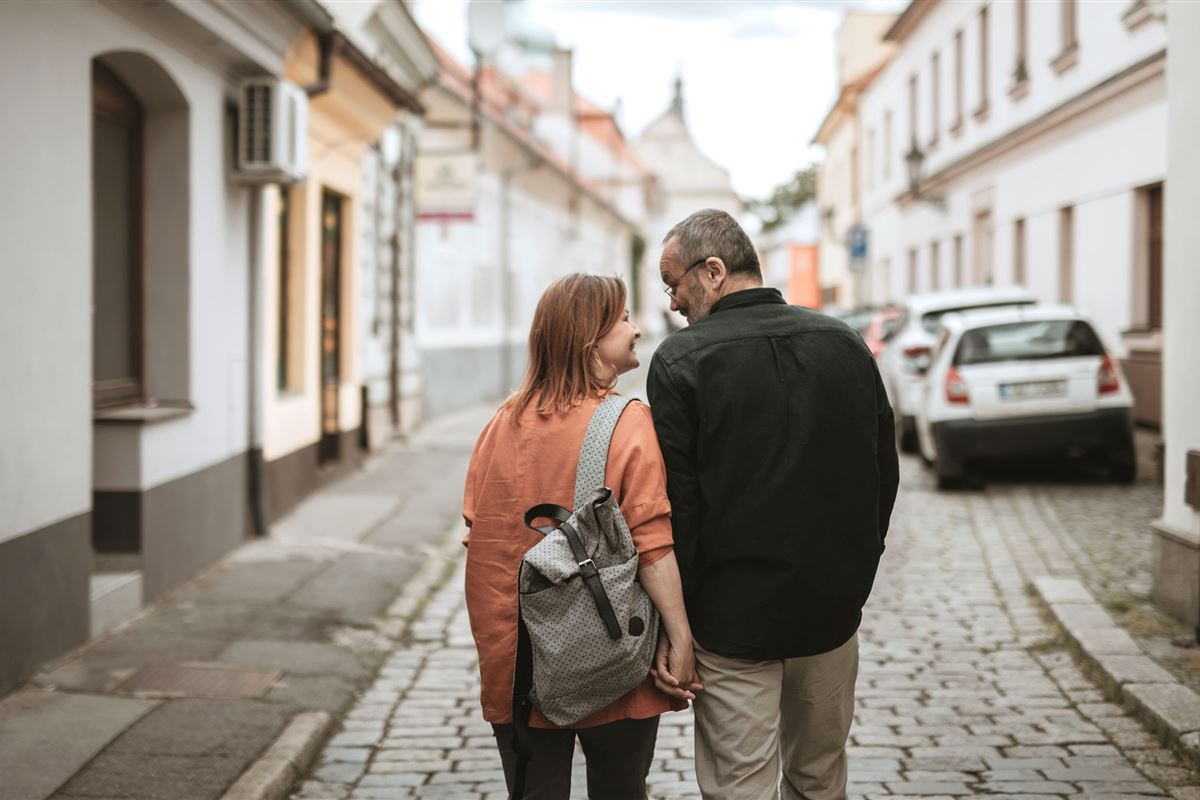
709	233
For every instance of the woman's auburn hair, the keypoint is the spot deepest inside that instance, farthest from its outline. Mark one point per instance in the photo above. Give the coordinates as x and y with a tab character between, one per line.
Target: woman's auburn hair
572	316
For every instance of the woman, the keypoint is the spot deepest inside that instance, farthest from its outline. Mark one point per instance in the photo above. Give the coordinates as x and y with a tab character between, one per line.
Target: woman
581	340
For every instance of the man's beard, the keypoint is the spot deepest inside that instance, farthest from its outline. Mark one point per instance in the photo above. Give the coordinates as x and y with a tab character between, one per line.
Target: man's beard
699	308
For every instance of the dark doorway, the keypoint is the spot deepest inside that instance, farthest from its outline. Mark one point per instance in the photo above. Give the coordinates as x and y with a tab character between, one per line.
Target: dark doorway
331	323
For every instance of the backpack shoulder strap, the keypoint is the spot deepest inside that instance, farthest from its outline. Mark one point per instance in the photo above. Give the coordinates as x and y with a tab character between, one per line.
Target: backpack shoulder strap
593	454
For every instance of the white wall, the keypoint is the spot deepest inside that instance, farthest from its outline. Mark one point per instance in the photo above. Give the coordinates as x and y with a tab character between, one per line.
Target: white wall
46	461
1093	162
1181	367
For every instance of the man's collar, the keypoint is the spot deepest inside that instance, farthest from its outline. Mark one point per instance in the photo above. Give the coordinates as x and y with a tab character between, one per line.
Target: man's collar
759	295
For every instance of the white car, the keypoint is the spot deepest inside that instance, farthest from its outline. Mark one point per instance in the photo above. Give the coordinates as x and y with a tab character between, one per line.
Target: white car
910	347
1023	381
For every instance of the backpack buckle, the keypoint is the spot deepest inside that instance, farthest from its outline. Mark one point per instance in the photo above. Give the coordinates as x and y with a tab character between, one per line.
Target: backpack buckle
585	562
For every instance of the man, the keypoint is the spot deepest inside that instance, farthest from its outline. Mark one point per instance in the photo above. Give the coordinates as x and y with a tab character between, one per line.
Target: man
782	472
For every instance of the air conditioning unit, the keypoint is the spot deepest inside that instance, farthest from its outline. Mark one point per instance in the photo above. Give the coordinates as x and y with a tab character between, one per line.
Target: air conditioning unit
273	131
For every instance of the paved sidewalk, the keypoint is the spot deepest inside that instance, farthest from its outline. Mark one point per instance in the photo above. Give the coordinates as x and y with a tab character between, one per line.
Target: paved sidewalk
963	689
303	614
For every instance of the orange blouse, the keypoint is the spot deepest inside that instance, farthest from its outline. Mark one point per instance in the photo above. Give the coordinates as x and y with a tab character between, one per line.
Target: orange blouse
516	466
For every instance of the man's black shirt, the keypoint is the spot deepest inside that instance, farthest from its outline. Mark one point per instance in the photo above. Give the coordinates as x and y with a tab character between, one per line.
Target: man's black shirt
782	473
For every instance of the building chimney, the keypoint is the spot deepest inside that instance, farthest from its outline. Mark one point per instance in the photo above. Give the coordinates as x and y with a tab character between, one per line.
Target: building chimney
562	93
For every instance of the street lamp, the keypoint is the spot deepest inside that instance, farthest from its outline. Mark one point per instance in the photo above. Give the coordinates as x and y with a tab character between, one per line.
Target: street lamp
914	158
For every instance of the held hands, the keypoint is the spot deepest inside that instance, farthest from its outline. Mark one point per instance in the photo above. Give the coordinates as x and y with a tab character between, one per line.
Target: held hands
674	669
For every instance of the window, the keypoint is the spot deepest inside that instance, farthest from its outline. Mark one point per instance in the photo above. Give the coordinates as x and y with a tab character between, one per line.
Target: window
1020	76
935	100
854	187
284	374
935	267
912	108
870	158
982	110
1066	254
958	261
983	249
1068	29
1067	37
1019	252
887	144
117	341
1028	341
1148	297
956	125
912	270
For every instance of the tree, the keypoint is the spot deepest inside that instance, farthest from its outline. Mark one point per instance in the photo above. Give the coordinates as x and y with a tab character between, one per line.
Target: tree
786	198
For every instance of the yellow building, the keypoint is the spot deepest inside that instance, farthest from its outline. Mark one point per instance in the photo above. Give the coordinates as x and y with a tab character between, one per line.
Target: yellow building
314	415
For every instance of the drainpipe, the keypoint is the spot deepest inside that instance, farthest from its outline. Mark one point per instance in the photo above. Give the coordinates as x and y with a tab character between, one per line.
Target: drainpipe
324	66
254	404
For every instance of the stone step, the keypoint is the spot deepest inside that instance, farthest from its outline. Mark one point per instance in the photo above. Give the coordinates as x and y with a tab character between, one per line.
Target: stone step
115	597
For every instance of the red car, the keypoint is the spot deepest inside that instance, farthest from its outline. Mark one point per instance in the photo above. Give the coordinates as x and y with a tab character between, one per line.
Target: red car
880	329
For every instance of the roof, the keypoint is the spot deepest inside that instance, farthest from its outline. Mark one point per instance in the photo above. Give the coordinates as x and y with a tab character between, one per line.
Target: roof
997	316
846	103
907	22
959	298
601	125
504	104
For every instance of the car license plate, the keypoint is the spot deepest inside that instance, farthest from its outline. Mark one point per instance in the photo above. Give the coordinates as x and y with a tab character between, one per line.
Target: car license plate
1033	389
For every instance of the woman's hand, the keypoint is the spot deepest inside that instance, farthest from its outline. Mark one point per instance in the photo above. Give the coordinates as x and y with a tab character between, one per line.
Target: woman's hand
674	669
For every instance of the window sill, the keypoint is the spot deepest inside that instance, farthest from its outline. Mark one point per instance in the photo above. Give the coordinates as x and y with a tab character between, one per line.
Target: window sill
1065	60
981	113
138	414
932	145
1137	15
1019	91
957	128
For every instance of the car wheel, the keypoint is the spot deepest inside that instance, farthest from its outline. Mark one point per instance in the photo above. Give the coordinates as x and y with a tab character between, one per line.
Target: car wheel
1122	468
908	435
926	460
948	477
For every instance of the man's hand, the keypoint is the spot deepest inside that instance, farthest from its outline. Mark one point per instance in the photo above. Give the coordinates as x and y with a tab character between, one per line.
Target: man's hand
674	669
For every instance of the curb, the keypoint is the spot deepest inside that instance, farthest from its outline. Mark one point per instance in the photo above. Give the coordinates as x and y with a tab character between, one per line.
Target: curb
292	754
289	756
1167	707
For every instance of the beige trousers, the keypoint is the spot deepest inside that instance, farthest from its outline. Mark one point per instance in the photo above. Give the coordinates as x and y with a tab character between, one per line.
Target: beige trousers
758	719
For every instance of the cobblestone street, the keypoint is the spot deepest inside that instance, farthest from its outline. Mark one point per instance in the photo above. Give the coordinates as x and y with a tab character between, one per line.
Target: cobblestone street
963	688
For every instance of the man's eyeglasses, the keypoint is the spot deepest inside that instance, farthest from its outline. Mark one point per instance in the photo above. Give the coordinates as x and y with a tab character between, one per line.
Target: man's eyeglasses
670	290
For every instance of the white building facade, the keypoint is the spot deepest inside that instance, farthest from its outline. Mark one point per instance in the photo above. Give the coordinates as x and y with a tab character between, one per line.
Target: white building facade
125	330
1039	131
532	217
860	56
688	180
1177	533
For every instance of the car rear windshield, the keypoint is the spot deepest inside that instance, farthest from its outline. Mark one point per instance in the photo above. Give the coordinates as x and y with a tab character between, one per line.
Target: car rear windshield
1021	341
930	321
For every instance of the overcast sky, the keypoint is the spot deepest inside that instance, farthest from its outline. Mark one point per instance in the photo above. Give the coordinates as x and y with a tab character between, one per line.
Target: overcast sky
758	76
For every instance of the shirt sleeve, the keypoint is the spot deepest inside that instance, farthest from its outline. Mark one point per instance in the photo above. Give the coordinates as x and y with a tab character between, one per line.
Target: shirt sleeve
481	456
636	473
675	427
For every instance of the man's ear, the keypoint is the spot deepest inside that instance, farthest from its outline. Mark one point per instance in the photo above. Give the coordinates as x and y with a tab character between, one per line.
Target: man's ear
717	271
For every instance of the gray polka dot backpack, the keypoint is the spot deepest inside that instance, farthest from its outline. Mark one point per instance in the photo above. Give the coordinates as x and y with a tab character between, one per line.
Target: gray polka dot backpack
587	630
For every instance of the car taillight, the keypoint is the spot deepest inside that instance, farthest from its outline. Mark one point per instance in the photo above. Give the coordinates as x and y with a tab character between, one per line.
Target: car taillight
1107	381
918	358
956	387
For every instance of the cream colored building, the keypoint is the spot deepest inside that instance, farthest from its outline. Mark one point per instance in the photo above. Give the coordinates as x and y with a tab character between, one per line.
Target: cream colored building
315	407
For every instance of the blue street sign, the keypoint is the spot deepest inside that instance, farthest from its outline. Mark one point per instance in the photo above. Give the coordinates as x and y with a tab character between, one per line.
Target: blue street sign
856	242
